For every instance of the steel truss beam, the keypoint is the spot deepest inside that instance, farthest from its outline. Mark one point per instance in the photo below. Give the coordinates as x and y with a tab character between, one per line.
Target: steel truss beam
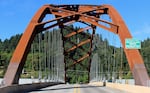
76	32
66	14
79	45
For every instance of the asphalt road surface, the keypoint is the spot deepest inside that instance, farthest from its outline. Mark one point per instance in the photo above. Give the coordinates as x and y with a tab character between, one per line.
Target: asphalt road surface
77	88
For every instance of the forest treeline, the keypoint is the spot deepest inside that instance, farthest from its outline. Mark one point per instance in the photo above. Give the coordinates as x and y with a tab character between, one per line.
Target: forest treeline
106	52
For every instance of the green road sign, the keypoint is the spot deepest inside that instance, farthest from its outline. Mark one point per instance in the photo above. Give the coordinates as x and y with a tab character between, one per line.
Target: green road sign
132	43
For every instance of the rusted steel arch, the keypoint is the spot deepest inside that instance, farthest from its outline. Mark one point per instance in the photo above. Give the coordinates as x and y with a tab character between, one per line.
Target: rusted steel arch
20	54
88	14
134	58
118	27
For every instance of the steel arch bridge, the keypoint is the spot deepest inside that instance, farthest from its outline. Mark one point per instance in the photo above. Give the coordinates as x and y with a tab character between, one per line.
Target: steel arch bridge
65	14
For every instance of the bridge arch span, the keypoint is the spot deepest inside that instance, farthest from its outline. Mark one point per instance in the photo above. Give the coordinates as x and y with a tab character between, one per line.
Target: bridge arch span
81	13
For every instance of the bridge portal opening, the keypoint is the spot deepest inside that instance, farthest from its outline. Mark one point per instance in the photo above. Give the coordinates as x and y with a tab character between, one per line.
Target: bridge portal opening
76	44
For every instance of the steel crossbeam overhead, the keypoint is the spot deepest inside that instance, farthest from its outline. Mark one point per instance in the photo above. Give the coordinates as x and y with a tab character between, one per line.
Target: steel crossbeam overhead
76	32
79	61
69	14
78	45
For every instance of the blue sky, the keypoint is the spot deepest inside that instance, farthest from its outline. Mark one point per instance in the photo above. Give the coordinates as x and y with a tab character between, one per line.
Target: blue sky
16	14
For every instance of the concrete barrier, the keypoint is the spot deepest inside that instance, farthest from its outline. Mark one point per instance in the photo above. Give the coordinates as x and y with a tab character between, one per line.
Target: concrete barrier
98	83
125	87
25	87
129	88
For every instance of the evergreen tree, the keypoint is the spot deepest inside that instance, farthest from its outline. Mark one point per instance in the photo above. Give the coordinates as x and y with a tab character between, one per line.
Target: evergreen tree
105	52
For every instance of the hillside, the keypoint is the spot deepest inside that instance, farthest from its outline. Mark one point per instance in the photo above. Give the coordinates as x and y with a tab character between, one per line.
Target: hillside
106	53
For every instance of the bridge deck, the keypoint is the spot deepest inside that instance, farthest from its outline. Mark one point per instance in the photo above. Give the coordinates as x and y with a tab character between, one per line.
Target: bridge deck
78	88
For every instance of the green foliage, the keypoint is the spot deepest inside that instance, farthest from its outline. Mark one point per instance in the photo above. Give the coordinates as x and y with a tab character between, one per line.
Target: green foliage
145	51
107	55
6	49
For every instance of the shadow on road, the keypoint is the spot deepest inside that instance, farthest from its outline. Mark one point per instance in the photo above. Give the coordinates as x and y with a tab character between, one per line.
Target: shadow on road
66	88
